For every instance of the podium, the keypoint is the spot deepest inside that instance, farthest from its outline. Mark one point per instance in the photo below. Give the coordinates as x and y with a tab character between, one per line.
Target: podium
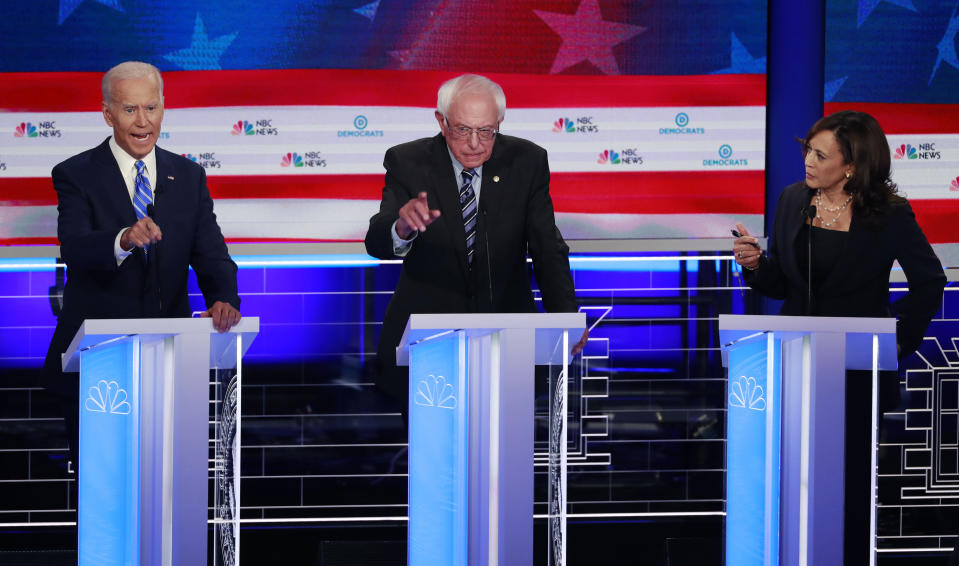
786	431
471	431
145	423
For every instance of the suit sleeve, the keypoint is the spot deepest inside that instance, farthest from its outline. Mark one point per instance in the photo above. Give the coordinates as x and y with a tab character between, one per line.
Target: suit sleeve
925	277
81	246
768	278
379	239
547	248
210	258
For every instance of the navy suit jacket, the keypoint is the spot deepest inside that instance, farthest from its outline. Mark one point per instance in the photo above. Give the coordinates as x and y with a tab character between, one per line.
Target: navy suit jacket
859	284
516	217
94	205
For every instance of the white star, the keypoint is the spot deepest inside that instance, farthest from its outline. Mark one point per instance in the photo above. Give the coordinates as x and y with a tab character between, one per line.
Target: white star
947	45
368	11
867	6
740	60
832	87
68	6
587	37
203	53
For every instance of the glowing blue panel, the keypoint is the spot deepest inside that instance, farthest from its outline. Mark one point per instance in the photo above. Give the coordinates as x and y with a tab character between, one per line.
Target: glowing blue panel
752	455
438	453
108	519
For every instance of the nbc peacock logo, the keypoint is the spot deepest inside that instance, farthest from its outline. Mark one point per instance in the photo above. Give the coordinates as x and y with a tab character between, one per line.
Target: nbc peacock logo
26	130
608	156
243	128
954	186
906	151
564	125
292	160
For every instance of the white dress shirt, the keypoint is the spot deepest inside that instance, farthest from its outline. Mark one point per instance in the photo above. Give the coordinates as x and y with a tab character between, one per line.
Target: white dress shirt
400	246
128	170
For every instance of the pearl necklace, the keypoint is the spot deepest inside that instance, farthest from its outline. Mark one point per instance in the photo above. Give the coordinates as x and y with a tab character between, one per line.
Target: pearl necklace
838	210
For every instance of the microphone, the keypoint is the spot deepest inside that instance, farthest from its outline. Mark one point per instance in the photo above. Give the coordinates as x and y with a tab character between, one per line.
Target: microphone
810	213
154	263
489	268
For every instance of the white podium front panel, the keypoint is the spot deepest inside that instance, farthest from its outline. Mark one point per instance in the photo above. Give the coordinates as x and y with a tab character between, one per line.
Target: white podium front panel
438	459
109	519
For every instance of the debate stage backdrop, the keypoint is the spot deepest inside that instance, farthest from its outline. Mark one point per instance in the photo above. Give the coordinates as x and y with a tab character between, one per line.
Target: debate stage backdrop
653	112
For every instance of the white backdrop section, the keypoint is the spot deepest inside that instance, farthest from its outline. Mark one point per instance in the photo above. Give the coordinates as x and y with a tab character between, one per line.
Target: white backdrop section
263	135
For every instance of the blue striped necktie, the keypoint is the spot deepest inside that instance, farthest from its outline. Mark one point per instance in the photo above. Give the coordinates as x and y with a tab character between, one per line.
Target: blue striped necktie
468	204
142	195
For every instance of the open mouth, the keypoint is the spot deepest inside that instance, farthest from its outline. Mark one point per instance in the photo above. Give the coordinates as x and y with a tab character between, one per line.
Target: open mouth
141	137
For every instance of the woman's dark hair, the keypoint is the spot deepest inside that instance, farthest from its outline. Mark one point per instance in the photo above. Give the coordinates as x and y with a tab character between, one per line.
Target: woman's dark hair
863	144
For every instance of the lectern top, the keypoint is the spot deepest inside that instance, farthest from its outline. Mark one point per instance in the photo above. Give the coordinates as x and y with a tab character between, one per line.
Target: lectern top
98	331
546	325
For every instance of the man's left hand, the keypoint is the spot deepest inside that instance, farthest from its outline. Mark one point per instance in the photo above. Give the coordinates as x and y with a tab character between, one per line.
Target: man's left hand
224	316
581	344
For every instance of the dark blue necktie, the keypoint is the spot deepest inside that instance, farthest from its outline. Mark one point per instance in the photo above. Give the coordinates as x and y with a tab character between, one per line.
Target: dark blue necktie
468	205
142	195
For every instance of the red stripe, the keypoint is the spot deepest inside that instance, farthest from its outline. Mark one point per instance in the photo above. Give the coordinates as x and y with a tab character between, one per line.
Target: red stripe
352	187
27	191
76	92
628	193
35	241
666	192
937	218
907	118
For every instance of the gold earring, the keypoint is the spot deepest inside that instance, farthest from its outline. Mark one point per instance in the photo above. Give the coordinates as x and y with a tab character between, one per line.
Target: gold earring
848	175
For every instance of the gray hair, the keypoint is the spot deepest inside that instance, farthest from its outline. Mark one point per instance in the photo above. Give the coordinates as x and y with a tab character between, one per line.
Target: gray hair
129	70
470	84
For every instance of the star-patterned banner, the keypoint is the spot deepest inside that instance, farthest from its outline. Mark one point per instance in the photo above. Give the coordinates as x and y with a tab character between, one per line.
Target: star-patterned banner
290	105
892	51
584	37
297	154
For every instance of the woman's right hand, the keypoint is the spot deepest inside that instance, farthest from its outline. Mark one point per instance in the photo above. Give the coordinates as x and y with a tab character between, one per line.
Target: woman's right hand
746	248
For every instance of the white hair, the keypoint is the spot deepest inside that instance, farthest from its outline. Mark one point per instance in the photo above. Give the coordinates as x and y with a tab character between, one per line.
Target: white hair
472	84
129	70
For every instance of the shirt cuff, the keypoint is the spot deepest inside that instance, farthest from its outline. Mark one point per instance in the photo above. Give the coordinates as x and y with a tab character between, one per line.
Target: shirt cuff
402	247
118	252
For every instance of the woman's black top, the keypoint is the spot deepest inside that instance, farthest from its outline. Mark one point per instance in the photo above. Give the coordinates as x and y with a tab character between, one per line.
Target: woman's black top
827	247
853	276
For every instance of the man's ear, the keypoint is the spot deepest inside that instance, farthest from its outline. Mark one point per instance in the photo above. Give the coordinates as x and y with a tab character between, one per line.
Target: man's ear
107	117
439	120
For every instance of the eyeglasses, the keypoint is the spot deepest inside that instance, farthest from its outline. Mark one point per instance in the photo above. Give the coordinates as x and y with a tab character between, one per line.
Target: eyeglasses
485	134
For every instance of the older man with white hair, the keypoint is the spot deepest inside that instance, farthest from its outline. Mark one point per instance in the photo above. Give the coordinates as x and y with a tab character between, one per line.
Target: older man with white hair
462	209
132	219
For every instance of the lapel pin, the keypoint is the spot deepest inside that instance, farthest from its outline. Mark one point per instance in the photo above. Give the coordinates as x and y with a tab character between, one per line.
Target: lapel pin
169	177
496	178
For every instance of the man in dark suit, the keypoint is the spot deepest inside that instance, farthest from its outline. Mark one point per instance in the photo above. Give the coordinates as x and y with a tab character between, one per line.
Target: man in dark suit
462	209
112	202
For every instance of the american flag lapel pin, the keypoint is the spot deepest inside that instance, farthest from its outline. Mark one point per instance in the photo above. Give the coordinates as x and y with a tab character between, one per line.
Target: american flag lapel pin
169	177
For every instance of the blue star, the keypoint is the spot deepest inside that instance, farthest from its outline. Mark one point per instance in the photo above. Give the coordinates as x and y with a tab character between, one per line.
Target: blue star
947	46
832	87
68	6
368	11
740	61
203	53
867	6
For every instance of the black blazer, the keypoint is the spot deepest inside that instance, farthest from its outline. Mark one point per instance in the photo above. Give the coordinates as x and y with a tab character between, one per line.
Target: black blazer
859	284
94	205
516	217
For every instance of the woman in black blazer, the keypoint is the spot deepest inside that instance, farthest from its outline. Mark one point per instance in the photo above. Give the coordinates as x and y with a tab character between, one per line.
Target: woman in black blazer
848	211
